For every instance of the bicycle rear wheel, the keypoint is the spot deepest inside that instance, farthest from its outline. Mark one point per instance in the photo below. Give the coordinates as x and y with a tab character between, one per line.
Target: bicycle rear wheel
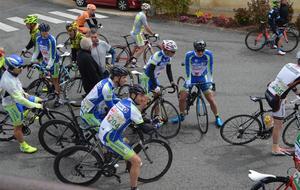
150	51
64	39
73	90
103	38
6	127
39	87
202	115
240	129
78	165
290	41
52	114
122	55
272	183
255	40
290	132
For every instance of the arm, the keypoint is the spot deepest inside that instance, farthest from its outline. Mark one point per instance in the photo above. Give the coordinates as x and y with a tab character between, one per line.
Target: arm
19	98
146	25
36	52
151	75
108	96
30	44
169	73
211	64
187	67
91	25
74	54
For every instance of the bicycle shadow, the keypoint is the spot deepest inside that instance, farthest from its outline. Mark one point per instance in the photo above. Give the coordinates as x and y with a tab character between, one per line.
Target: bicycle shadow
189	134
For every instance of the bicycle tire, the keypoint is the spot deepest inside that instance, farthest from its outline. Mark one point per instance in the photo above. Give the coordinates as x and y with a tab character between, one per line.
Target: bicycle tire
292	37
238	132
158	154
74	87
53	130
289	134
103	38
52	114
148	53
63	38
6	127
122	56
39	87
168	129
201	111
65	154
283	183
249	41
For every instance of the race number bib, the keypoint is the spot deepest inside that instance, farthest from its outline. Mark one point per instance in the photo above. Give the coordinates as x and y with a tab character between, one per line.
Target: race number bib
45	52
115	118
279	87
87	105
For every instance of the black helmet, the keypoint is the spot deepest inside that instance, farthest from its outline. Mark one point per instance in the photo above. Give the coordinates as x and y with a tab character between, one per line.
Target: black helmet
118	71
199	45
136	89
43	27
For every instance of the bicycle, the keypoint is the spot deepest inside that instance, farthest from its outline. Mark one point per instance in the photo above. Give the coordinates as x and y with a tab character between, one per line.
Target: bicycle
256	39
94	161
124	53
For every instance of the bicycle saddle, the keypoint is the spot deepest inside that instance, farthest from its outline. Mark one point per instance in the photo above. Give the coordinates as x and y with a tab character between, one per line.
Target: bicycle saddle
256	99
256	176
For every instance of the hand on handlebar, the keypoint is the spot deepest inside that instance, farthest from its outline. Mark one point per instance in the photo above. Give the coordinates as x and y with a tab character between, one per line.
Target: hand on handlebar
157	90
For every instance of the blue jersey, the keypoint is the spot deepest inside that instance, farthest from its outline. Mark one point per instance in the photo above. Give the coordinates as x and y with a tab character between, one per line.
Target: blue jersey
160	60
47	47
100	98
199	69
118	119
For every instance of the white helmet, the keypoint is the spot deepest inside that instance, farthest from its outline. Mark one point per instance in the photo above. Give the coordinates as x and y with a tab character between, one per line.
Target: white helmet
298	55
169	45
145	6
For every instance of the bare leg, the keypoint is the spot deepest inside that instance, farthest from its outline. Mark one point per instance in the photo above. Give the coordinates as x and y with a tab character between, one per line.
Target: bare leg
212	102
135	170
18	133
275	135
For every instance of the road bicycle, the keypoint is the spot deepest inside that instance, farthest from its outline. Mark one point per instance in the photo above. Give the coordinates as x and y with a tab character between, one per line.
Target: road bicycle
258	38
124	53
84	165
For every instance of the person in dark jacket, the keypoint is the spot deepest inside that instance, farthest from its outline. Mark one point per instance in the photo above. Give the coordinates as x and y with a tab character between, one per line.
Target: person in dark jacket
87	66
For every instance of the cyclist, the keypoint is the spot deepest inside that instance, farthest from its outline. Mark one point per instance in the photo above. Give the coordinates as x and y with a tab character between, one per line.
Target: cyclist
117	120
287	79
75	38
101	98
140	22
278	17
46	45
87	16
2	61
199	69
14	98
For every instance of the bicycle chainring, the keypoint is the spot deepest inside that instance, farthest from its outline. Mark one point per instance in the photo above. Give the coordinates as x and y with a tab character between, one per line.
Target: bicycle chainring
109	171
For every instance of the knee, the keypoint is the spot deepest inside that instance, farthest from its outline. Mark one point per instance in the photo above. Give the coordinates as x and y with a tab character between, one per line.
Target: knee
136	160
182	96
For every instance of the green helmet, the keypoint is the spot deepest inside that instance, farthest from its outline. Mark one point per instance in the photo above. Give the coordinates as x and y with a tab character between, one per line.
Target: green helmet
275	3
31	19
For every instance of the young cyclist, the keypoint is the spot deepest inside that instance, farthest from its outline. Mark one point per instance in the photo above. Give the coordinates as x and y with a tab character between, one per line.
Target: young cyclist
86	17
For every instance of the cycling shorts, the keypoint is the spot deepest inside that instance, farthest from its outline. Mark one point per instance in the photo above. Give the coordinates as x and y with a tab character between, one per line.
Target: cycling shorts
139	40
205	87
91	120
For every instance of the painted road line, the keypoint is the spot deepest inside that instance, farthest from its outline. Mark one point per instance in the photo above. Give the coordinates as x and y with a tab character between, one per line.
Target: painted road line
62	14
49	19
80	11
7	28
16	19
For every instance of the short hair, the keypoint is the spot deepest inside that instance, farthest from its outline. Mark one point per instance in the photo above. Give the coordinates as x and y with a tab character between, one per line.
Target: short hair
93	31
86	43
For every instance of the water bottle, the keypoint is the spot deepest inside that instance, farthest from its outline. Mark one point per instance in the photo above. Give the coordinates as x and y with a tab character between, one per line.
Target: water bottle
268	121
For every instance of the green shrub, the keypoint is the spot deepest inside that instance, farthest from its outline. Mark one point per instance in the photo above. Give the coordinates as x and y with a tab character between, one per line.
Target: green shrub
171	7
258	9
242	16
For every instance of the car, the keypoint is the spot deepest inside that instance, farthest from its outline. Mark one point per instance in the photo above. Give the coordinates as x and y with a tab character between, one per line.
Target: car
120	4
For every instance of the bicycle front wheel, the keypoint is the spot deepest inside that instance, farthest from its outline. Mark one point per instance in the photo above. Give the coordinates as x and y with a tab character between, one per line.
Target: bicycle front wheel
39	87
150	51
202	115
166	111
290	41
78	165
64	39
255	40
52	114
6	127
122	55
240	129
271	183
103	38
290	132
156	156
73	90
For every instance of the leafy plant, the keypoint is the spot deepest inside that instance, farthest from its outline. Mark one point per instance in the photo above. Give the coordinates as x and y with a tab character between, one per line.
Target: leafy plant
258	9
221	21
203	18
172	7
242	16
183	18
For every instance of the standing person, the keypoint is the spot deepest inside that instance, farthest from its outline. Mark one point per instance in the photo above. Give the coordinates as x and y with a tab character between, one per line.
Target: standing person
14	99
86	17
99	51
286	80
199	69
140	23
87	66
46	45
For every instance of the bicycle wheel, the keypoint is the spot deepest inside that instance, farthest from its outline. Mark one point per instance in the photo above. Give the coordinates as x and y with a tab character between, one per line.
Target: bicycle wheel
255	40
290	132
272	183
240	129
78	165
122	92
156	159
64	39
202	115
73	90
122	55
56	135
103	38
6	127
150	51
39	87
166	111
290	41
52	114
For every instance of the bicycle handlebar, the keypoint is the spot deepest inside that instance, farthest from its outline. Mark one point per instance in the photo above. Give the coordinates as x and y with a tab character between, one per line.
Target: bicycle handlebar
150	37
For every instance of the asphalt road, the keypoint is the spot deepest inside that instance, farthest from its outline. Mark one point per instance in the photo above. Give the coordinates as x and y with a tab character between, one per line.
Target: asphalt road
200	162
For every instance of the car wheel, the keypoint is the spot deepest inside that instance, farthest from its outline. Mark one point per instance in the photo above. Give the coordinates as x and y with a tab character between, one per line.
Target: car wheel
123	5
80	3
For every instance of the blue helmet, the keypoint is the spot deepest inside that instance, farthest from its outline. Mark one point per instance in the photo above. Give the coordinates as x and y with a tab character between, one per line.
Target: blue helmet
14	61
43	27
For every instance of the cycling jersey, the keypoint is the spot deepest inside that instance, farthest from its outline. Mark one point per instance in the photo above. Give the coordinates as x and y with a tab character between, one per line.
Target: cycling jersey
139	22
75	44
84	17
2	63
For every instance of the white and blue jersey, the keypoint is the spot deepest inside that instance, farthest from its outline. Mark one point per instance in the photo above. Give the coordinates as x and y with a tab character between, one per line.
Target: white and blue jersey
118	119
100	98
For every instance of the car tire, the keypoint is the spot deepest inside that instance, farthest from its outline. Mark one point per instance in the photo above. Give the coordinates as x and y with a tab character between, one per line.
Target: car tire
80	3
122	5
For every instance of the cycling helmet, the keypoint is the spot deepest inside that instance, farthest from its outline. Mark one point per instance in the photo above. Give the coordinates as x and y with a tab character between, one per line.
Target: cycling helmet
71	26
136	89
14	61
275	3
169	45
31	19
118	71
145	6
199	45
44	27
91	7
